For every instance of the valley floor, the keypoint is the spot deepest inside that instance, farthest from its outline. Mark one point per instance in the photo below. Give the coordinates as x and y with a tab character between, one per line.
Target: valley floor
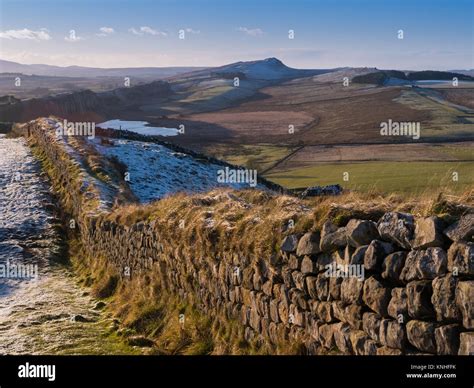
337	137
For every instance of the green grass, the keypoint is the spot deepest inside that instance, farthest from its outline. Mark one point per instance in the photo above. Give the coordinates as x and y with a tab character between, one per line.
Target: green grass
444	118
259	156
406	177
207	94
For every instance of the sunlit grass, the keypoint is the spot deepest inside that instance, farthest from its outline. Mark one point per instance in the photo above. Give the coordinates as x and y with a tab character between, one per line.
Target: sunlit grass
259	156
386	177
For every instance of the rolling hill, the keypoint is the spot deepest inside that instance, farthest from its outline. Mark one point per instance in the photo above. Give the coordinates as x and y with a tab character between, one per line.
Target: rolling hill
202	90
81	71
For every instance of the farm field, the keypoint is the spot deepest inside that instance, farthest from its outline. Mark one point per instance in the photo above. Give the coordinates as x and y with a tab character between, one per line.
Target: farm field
384	177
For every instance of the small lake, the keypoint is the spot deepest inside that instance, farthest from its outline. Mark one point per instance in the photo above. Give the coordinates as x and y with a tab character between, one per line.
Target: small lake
434	82
140	127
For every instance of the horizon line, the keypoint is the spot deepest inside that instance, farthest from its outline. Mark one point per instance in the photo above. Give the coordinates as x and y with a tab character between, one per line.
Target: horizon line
225	64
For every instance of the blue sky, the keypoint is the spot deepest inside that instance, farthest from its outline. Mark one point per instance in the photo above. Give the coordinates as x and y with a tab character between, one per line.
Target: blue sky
438	34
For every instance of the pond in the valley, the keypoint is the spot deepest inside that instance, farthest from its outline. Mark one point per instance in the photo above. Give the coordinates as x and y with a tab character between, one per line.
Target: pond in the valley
140	127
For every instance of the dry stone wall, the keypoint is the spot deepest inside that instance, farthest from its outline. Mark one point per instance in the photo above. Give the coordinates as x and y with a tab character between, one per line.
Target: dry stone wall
361	289
397	286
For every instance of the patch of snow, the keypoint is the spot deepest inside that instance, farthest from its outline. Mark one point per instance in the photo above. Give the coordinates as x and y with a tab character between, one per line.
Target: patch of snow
35	311
23	198
157	171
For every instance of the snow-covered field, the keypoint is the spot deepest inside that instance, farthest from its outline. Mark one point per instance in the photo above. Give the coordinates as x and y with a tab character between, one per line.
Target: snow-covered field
156	171
141	127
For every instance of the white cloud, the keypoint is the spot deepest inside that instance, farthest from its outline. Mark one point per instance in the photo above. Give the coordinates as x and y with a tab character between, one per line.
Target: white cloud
146	30
251	31
105	31
150	31
191	31
134	31
25	33
73	37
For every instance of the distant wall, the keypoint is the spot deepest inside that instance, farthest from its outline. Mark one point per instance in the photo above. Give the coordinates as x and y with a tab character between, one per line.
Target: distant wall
415	294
